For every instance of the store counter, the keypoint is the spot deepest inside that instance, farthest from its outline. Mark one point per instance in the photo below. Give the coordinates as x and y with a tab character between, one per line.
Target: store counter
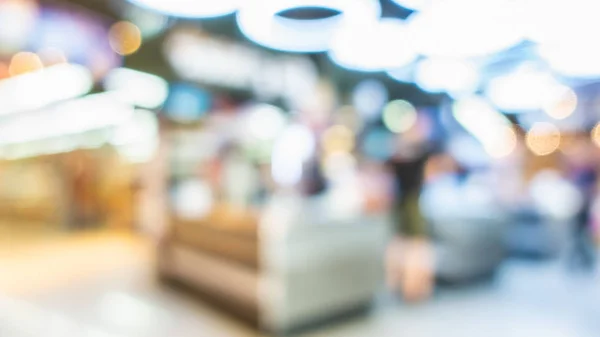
289	267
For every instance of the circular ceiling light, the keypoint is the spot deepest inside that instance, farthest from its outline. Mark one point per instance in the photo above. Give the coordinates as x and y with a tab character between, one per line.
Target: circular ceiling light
259	21
190	8
373	46
560	21
572	59
466	28
524	90
456	77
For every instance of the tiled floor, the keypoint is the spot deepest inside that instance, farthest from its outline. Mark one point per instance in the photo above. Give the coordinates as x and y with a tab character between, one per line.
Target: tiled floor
103	285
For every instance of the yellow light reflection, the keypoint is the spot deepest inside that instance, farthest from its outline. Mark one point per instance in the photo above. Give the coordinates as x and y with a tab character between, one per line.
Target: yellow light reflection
503	144
564	107
125	38
543	138
596	135
399	116
338	139
24	62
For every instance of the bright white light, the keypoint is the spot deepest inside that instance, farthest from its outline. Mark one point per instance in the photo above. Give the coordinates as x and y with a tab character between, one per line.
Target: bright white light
524	90
299	140
286	166
193	199
35	90
455	77
373	46
564	29
573	60
259	22
560	21
492	129
137	88
191	8
555	196
294	147
466	28
264	122
137	138
369	97
17	20
77	116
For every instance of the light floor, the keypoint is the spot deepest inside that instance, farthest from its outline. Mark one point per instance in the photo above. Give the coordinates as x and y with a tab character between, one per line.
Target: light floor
102	285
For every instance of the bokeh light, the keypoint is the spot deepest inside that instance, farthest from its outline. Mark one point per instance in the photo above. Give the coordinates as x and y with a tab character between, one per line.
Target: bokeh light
502	143
338	139
596	135
125	38
564	106
524	89
399	116
491	128
264	122
453	76
369	97
543	138
24	62
367	47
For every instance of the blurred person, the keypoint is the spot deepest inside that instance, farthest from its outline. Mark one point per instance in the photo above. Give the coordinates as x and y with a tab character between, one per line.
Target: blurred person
581	171
409	257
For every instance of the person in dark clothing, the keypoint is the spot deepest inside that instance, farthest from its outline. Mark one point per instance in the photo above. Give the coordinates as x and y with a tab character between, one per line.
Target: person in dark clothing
409	173
582	173
583	254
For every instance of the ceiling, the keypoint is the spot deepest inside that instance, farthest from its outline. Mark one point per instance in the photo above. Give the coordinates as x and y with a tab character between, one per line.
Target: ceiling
150	58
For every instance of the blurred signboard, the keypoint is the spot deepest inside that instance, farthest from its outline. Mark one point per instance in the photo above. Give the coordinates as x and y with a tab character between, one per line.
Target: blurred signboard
198	57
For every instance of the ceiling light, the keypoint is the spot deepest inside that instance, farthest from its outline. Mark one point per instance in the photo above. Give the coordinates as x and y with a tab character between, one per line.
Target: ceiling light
373	46
73	117
456	77
259	21
138	88
38	89
466	28
524	90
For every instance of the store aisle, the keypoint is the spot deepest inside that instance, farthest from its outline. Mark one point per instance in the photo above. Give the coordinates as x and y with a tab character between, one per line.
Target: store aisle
103	285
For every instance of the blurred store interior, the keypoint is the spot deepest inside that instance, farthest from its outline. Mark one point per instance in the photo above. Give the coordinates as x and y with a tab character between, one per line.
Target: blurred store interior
299	167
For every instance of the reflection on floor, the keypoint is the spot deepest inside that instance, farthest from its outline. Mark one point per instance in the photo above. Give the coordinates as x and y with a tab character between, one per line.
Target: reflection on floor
103	285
